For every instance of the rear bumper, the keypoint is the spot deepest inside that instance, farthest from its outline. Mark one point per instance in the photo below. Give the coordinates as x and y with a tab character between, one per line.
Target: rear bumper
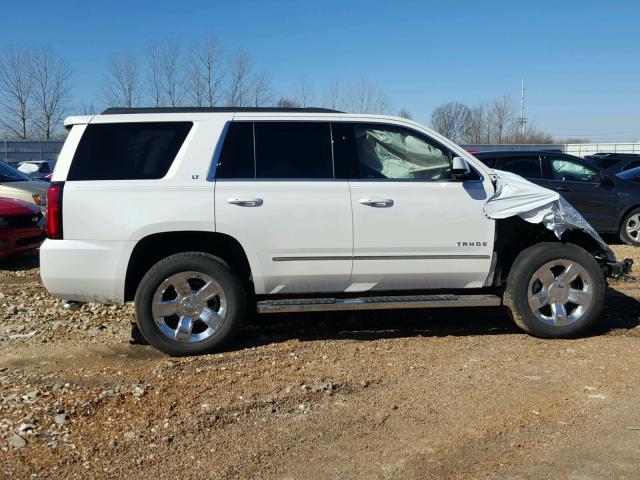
85	271
618	269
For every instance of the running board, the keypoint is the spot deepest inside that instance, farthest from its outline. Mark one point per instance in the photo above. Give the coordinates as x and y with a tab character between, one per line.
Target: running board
377	303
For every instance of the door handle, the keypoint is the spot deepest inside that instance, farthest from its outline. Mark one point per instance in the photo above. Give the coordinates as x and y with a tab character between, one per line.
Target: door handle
563	188
245	202
377	202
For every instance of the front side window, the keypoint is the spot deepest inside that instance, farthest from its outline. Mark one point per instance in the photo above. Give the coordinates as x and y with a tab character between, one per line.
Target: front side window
397	153
567	170
527	167
293	150
127	151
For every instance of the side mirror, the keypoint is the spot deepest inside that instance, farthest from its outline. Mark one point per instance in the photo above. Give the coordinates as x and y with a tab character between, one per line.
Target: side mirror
605	180
459	168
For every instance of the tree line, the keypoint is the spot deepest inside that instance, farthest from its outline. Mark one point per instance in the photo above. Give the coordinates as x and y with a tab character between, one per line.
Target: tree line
36	93
493	122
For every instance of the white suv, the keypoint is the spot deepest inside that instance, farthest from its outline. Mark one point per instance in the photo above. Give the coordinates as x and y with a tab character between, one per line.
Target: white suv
201	215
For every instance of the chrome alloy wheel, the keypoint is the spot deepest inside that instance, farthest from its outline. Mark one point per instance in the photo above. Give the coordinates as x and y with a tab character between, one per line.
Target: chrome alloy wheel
633	227
189	307
560	293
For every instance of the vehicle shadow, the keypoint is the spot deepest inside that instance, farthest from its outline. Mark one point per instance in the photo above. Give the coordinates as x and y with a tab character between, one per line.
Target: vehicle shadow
621	312
24	261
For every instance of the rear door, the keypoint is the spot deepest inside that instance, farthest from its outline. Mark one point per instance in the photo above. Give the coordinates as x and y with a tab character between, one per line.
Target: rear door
276	194
581	185
414	227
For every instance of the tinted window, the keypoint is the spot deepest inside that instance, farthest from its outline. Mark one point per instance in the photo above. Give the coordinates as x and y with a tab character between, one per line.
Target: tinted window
489	162
603	162
236	157
570	171
527	167
632	164
127	151
293	150
398	153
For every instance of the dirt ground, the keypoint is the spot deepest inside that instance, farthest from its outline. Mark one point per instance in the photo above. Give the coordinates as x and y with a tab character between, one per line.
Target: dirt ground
393	395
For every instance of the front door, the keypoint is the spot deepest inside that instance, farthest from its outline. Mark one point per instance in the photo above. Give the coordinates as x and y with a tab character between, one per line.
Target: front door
414	227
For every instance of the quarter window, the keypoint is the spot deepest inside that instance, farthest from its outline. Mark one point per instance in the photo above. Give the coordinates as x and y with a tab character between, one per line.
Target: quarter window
127	151
527	167
397	153
293	150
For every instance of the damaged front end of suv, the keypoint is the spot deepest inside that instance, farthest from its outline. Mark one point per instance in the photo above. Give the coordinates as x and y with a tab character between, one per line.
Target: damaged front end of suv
518	205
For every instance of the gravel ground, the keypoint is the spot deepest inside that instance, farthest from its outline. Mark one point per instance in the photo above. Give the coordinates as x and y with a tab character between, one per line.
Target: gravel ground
406	394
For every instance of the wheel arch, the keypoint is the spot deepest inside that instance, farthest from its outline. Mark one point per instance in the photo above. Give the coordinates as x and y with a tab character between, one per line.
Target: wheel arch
153	248
624	215
514	235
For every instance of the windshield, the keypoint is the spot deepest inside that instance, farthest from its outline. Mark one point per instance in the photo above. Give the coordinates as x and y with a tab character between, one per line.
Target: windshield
10	174
631	175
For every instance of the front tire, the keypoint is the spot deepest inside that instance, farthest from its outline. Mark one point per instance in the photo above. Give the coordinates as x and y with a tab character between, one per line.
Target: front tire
630	228
189	303
555	290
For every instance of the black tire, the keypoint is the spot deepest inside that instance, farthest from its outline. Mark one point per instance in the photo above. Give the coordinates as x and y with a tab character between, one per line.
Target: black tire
207	265
632	238
521	280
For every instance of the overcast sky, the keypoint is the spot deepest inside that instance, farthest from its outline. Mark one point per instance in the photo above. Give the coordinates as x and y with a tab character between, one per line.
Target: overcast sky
580	59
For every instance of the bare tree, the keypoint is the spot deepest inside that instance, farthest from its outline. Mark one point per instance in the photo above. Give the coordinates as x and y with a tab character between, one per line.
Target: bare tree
164	73
501	117
304	92
51	76
451	120
122	81
364	97
16	83
287	103
404	113
239	80
477	130
204	74
85	108
261	92
334	95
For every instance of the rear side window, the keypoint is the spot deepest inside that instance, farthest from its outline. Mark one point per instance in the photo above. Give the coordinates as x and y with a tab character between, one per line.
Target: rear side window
293	150
527	167
236	158
127	151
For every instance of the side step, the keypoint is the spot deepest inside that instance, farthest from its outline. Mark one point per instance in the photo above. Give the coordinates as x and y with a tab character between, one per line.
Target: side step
377	303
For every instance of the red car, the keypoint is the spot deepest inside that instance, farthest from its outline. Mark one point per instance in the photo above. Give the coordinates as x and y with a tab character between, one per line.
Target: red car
22	227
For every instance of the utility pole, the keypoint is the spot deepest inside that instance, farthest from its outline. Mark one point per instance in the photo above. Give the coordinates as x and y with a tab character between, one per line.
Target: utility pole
522	120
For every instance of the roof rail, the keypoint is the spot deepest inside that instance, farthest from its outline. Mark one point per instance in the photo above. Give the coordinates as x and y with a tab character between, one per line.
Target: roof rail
122	110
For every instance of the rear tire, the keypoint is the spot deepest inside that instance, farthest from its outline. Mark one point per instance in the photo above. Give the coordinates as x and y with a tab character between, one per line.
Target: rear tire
189	303
630	228
555	290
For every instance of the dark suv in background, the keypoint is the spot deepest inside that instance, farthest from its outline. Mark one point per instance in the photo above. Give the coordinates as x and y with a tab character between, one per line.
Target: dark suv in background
608	201
614	162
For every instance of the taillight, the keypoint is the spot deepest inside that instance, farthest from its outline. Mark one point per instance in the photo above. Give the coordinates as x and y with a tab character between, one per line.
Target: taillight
54	210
